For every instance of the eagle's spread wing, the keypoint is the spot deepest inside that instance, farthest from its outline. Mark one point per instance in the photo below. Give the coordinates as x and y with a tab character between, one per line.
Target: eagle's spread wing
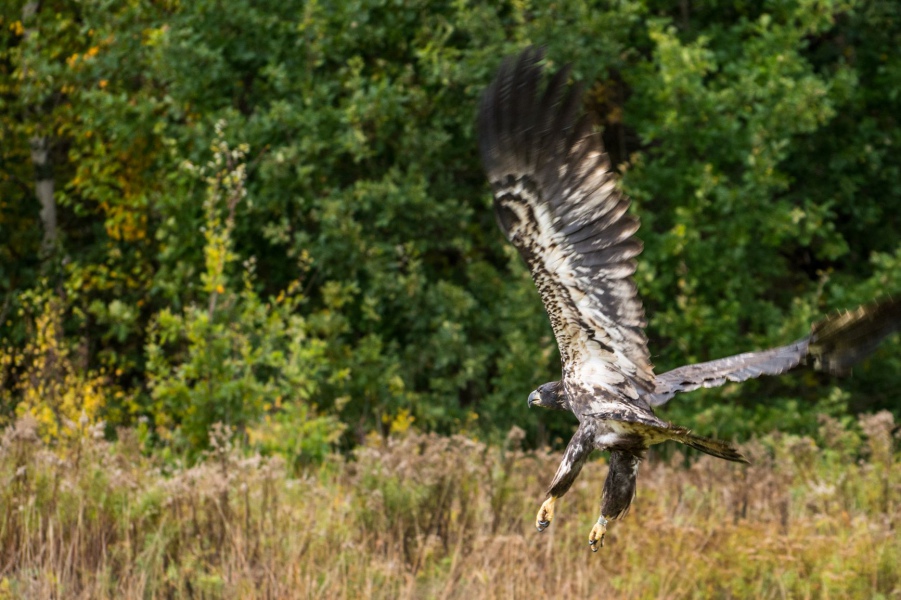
736	368
556	201
834	345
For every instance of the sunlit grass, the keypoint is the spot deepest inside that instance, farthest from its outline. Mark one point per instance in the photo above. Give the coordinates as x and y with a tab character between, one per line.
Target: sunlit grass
423	516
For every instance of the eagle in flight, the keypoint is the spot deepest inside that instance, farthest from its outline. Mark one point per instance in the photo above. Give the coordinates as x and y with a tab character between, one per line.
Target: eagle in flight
556	201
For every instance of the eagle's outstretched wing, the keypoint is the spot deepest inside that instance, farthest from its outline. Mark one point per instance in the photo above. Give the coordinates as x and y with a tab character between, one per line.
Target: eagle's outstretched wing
556	201
834	345
740	367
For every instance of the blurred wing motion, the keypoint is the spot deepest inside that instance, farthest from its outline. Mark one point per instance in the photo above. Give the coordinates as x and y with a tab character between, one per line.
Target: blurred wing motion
839	341
834	345
555	199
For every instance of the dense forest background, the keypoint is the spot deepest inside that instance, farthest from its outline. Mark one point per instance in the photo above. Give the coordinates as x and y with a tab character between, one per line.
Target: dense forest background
271	214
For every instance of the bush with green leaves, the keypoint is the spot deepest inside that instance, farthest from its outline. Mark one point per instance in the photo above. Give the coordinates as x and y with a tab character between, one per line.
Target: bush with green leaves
237	358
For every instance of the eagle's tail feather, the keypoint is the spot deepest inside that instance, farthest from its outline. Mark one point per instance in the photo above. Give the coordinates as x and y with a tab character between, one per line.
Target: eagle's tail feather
717	448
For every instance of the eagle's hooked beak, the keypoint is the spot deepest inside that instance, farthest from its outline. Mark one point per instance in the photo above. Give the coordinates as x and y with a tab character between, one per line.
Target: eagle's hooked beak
534	397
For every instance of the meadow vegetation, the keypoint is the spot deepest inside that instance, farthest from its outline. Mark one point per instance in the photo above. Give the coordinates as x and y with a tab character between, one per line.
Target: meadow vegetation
425	516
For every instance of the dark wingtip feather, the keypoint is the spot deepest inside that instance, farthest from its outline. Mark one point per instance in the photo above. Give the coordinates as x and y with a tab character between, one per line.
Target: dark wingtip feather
514	86
847	337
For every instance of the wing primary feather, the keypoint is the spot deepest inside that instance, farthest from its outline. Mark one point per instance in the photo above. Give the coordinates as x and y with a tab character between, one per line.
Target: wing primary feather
847	337
583	230
612	254
545	114
622	230
527	88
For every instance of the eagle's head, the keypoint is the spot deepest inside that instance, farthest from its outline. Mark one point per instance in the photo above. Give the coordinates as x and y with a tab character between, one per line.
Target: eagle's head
550	395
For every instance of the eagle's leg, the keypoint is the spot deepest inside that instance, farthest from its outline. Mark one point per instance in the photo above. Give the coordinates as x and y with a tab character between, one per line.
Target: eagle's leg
596	537
619	490
575	456
545	514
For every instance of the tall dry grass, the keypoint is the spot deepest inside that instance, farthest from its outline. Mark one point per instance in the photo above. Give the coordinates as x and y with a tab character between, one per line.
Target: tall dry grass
424	516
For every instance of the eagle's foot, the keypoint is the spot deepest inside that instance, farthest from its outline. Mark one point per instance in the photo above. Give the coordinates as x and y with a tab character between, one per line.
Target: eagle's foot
596	537
545	514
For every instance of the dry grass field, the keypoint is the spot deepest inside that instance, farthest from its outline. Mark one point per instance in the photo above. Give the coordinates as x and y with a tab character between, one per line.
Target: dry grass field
422	516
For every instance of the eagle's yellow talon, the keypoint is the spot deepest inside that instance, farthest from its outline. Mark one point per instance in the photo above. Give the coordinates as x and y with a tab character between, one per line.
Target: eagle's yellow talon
545	514
596	537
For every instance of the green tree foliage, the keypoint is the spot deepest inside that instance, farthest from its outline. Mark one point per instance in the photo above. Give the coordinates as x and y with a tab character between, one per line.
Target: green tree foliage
759	141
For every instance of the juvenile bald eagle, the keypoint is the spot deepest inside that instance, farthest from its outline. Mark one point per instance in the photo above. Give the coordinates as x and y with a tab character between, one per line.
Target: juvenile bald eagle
556	201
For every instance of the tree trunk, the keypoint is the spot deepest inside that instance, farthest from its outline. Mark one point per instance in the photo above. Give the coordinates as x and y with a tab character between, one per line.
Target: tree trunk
40	155
43	187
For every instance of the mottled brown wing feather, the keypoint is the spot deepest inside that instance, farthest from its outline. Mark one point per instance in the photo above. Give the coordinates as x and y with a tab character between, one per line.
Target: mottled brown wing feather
555	199
833	346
